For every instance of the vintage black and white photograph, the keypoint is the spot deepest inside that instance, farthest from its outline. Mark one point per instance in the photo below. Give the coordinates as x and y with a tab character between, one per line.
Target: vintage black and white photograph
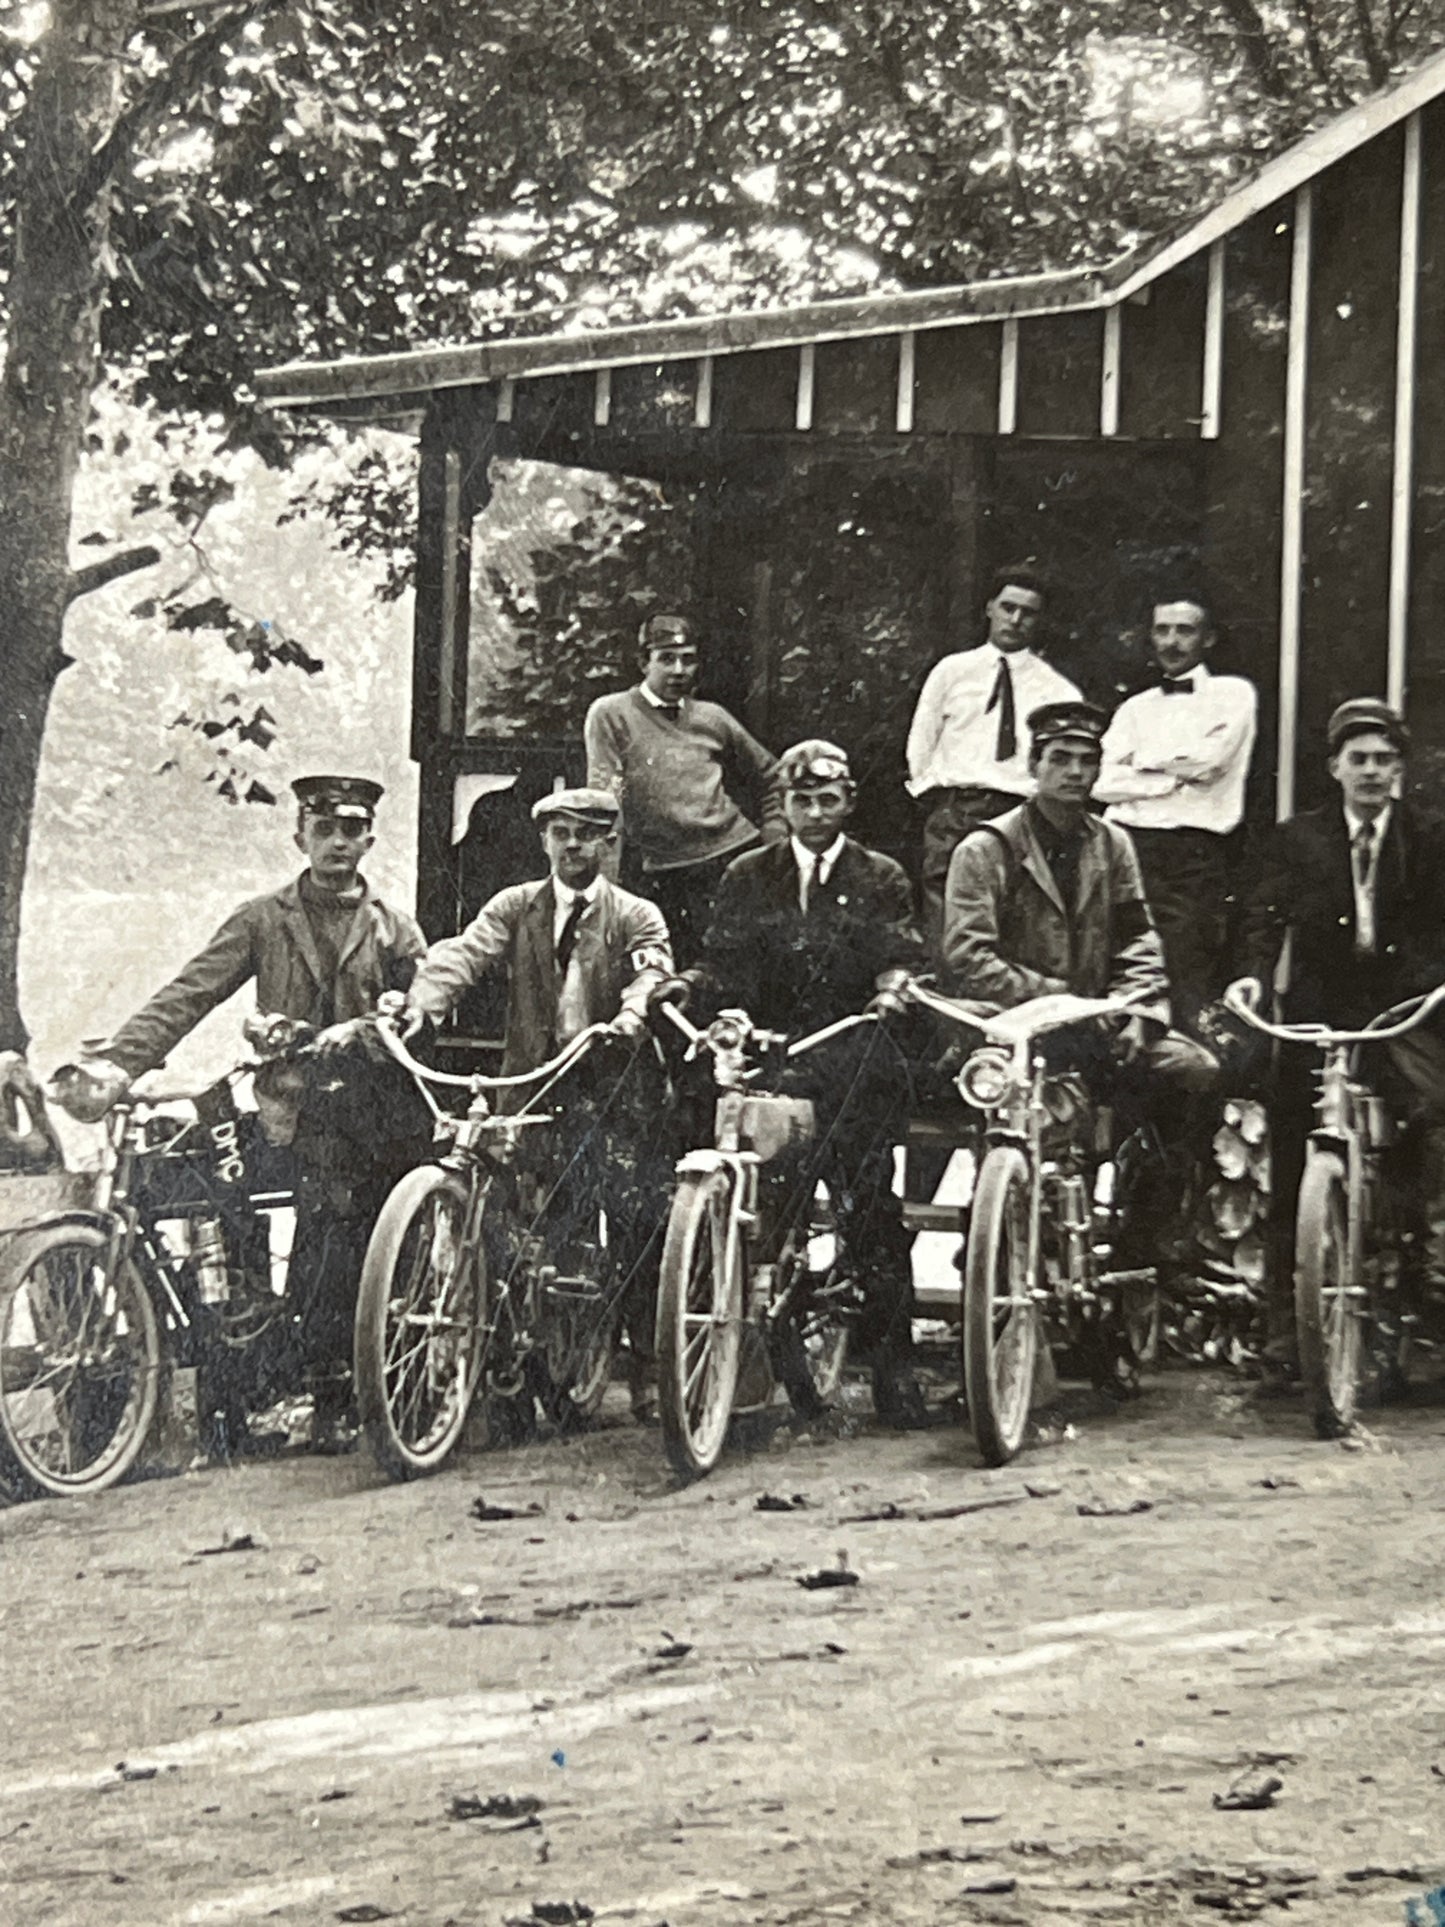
722	962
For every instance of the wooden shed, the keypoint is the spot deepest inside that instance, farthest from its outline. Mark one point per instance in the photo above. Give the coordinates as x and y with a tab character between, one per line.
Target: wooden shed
1259	393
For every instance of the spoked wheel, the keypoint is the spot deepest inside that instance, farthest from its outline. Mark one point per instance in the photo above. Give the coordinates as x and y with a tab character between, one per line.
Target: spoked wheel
1330	1310
421	1329
80	1363
817	1301
1000	1318
699	1324
579	1340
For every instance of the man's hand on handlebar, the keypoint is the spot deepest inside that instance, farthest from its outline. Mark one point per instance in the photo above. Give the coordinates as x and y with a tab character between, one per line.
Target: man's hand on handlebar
891	996
403	1019
89	1089
1245	991
628	1025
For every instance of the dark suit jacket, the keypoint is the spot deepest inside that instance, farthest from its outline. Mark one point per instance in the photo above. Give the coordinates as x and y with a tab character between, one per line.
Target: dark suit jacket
794	973
269	939
1303	886
622	953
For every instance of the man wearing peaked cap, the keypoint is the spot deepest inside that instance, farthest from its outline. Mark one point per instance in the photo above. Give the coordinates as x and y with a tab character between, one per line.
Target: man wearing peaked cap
805	932
321	950
693	784
1359	887
580	950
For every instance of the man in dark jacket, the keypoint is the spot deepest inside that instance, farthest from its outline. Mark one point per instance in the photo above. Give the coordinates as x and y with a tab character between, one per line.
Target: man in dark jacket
1358	886
805	932
321	951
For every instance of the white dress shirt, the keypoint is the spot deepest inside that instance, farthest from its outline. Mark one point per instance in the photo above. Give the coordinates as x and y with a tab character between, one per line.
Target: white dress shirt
1366	934
954	735
1179	761
809	865
571	1016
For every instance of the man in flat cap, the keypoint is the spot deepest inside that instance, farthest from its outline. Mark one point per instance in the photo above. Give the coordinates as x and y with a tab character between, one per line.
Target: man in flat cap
805	932
968	744
1358	885
321	951
1049	897
579	950
694	786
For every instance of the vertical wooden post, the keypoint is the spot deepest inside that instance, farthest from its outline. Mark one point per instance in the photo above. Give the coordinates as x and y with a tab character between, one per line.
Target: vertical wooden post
702	397
807	374
1402	479
907	364
1211	387
602	398
1008	378
1292	506
1112	368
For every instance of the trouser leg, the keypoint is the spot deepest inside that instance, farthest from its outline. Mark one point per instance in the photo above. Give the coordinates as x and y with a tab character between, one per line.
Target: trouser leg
1186	881
685	898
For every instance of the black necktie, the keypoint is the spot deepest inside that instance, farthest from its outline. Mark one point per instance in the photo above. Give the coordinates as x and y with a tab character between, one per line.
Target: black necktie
567	942
1177	686
1002	699
813	889
672	711
1363	844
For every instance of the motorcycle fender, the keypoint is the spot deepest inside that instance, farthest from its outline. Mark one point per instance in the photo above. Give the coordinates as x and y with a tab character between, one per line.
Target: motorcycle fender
99	1220
699	1163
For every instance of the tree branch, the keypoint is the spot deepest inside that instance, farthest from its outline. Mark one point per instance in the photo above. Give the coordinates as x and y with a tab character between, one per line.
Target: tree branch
1244	16
166	90
95	575
1376	64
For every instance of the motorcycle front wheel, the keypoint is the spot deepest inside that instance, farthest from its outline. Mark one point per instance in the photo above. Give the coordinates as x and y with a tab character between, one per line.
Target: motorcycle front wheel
699	1324
1329	1312
421	1325
1000	1317
81	1363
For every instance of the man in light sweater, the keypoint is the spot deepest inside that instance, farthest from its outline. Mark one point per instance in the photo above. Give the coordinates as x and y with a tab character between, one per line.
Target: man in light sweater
677	766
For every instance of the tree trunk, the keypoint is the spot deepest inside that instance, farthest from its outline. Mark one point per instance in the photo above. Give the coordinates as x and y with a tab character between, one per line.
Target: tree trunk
55	295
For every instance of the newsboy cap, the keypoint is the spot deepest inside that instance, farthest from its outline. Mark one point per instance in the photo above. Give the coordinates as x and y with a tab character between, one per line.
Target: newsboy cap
596	808
664	631
1366	715
812	764
1084	722
352	797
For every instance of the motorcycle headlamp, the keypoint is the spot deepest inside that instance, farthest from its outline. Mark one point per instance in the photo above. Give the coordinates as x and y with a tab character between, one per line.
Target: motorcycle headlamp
987	1078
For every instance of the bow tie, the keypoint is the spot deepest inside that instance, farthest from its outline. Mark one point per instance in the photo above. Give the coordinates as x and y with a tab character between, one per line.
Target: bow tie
1176	686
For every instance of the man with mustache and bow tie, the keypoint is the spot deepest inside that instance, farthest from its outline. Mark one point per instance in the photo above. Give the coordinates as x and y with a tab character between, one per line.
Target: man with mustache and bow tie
1176	759
968	745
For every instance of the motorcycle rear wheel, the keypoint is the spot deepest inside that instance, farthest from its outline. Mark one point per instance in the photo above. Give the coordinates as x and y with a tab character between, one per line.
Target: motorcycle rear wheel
81	1363
699	1324
421	1325
1329	1323
1000	1318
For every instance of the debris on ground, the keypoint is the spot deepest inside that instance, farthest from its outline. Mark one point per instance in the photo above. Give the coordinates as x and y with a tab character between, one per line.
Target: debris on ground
675	1649
840	1575
556	1913
509	1812
1276	1482
774	1502
365	1910
1249	1795
998	1884
1112	1508
890	1511
483	1510
1415	1876
234	1540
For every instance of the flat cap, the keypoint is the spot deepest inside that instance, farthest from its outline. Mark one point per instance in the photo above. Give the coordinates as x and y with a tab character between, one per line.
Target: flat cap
1084	722
664	631
345	796
811	764
1366	715
596	808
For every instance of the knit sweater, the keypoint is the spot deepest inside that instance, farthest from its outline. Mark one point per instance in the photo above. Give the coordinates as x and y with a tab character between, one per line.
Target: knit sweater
676	780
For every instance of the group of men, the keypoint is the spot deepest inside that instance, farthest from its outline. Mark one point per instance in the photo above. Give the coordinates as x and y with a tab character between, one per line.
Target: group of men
1062	849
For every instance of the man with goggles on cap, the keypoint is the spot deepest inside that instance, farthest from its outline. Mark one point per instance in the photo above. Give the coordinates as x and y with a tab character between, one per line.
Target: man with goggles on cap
678	767
579	950
1358	887
321	951
805	932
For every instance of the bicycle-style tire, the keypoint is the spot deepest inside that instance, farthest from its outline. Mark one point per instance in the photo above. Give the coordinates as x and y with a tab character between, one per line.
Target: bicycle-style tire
421	1325
1000	1319
1332	1350
699	1324
81	1363
811	1342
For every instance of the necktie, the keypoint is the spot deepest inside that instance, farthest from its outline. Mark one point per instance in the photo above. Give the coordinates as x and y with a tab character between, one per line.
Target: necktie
1002	699
1177	686
567	942
672	711
813	888
1363	848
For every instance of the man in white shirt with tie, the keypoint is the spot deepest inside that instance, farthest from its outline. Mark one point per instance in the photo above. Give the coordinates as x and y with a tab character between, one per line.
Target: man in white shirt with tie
968	746
1176	760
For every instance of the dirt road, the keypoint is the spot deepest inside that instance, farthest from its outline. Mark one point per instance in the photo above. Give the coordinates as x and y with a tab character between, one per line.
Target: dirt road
1021	1712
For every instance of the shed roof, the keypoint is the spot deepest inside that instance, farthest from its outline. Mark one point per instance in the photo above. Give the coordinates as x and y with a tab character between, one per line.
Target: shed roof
415	372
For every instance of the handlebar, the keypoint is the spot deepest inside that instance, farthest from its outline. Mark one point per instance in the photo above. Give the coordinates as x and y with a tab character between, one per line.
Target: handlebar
742	1030
1380	1030
475	1081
